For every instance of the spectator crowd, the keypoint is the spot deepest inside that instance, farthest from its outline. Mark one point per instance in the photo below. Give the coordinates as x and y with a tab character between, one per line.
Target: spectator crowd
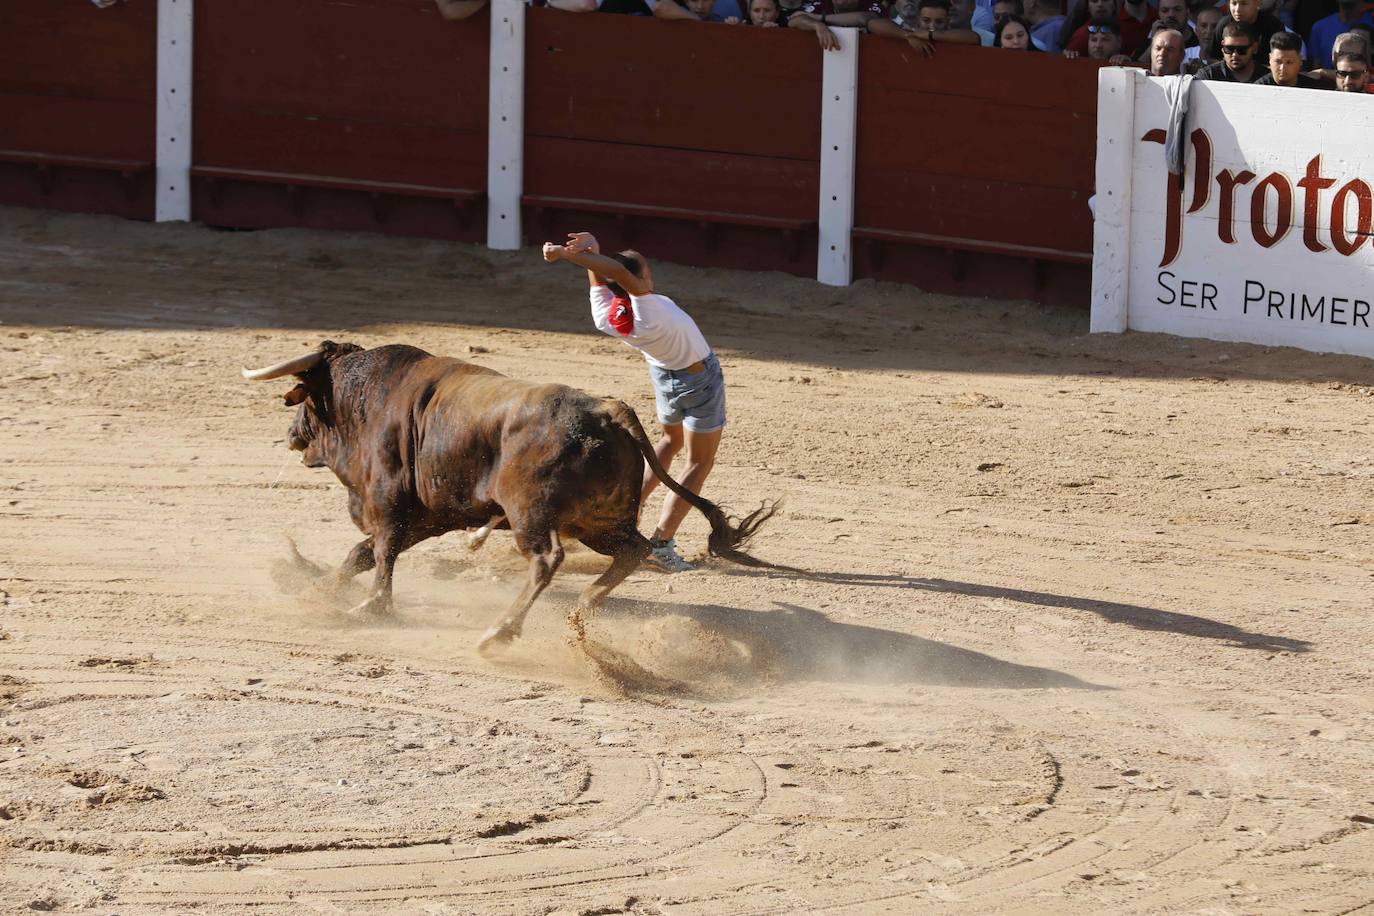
1311	44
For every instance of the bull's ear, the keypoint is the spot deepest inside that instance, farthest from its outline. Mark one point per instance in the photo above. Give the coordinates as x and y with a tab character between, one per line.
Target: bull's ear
296	395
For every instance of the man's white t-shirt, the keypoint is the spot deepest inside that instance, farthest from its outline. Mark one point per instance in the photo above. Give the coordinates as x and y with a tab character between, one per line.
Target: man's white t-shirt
664	333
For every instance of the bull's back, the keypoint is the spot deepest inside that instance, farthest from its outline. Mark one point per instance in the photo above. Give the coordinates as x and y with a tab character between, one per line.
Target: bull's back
486	440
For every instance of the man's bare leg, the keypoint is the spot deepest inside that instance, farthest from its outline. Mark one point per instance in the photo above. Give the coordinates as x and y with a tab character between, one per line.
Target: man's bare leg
701	457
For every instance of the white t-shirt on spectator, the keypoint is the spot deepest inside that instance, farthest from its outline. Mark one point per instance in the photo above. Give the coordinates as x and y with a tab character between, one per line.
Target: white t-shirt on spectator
664	333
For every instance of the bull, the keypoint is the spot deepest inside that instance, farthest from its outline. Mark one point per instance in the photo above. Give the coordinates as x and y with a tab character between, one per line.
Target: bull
425	445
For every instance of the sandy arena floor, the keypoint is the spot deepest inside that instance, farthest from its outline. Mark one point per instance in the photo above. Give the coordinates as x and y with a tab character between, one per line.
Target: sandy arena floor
1090	632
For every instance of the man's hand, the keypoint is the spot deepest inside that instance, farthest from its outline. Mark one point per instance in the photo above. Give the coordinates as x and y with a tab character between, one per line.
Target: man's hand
920	43
1121	60
1071	55
827	38
553	252
582	241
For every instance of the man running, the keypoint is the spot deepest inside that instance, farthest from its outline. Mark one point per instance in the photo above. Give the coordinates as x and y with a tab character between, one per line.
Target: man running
688	385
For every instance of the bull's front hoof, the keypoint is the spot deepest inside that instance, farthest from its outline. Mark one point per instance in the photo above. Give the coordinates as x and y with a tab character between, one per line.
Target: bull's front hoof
494	640
376	606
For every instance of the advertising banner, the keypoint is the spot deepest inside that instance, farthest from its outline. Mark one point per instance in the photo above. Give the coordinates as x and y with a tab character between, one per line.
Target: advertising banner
1265	237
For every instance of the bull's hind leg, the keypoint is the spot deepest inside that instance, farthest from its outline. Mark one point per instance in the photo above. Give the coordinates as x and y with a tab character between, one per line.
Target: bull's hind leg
628	550
479	537
545	553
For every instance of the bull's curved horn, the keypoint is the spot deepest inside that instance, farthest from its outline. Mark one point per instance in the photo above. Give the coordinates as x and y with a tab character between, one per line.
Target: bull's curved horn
290	367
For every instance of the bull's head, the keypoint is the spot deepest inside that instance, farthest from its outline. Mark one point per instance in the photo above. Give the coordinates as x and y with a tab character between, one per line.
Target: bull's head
314	397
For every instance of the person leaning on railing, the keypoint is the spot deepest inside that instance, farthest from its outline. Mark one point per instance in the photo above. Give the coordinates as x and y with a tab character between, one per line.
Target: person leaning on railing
819	15
922	23
462	9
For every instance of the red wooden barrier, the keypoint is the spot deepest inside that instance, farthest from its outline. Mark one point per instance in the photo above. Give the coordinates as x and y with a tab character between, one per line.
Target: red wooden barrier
698	143
368	115
77	106
974	168
710	133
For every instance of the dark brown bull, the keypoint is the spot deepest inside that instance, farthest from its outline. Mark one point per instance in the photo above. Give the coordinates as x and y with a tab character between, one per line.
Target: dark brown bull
426	445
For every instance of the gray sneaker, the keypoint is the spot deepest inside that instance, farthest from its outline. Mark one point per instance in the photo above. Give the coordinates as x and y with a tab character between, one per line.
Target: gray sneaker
666	557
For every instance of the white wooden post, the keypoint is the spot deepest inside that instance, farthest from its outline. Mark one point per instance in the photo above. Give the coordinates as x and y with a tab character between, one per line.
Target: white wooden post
174	31
839	120
1116	87
506	124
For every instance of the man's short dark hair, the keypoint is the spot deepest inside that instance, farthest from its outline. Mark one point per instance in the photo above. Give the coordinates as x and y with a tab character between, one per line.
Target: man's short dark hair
1247	30
631	261
1353	57
1285	41
933	5
1020	7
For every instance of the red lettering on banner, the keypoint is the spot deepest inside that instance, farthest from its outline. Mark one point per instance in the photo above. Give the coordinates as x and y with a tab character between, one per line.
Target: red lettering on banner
1173	218
1364	207
1226	205
1202	169
1344	239
1312	185
1283	191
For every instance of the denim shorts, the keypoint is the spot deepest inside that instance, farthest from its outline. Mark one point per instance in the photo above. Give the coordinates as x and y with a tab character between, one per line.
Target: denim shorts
694	399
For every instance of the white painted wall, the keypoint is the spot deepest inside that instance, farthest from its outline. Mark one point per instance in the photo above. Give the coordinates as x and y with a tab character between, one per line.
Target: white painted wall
1112	223
174	29
839	119
506	124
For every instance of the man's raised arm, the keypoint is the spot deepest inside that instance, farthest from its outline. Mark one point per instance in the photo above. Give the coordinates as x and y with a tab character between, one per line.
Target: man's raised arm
600	265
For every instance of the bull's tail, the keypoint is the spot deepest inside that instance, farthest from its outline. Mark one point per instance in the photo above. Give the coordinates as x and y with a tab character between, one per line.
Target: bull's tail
728	535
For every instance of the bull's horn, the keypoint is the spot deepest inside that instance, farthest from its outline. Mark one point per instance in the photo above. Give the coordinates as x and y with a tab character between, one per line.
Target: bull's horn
290	367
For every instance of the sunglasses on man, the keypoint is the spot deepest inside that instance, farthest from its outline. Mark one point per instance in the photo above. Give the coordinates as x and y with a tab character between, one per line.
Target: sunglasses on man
1351	74
1100	29
1237	49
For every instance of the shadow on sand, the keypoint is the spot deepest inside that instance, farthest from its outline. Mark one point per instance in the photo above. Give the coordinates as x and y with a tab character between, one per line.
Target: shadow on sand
798	644
1142	618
